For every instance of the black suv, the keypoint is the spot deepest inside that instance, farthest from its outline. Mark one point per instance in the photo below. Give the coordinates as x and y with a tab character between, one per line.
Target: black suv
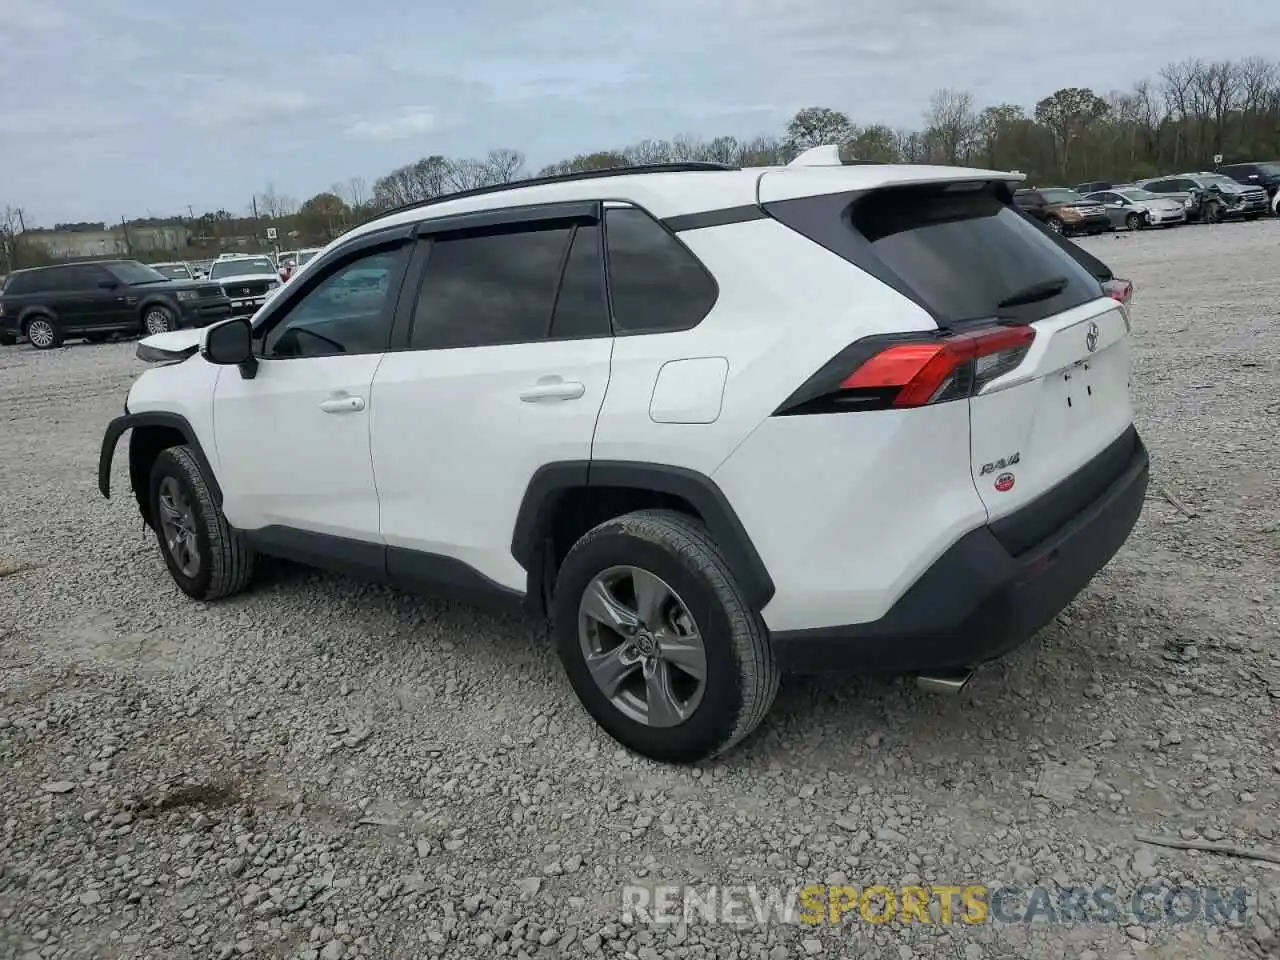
95	300
1265	175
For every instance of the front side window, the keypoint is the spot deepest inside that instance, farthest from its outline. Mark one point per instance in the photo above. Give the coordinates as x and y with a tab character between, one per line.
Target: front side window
489	289
348	312
130	271
655	283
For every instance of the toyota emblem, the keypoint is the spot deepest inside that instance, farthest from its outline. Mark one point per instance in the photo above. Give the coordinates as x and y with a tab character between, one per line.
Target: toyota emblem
1091	338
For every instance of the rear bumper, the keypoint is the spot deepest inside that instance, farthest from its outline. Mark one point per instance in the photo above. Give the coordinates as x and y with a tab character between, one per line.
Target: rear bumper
979	601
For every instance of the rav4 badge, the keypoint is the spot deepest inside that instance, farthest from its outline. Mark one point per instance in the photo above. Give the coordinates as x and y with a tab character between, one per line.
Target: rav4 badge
1004	482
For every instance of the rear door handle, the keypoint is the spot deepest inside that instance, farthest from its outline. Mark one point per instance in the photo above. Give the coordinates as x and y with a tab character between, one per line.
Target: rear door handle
556	389
343	405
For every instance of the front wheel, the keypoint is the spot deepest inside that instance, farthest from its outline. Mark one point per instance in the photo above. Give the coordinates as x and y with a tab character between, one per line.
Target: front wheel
1054	224
158	319
206	556
658	641
1133	221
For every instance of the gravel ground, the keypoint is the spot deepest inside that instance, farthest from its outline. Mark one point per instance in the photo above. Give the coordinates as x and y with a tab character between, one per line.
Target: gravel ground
324	769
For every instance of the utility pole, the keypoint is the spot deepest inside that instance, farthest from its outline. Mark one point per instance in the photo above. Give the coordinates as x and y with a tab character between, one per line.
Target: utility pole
128	247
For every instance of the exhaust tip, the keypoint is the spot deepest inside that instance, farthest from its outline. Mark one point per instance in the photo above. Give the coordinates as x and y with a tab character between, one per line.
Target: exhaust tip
948	684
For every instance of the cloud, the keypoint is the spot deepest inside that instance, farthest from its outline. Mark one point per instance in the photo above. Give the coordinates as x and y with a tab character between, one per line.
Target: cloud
32	16
404	124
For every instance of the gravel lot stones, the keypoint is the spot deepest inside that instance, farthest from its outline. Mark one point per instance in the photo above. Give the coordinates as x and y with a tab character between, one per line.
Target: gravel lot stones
323	769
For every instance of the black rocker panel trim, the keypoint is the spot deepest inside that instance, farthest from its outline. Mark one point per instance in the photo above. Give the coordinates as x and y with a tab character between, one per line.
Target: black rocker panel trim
401	567
174	421
552	482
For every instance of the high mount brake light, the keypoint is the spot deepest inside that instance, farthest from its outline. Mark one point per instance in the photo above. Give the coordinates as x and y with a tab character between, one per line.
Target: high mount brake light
877	374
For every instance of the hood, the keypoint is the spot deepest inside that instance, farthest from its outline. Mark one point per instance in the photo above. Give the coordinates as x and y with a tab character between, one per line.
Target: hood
172	347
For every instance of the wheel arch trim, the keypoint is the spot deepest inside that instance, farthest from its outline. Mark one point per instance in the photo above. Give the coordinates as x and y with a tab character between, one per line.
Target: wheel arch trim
552	482
152	418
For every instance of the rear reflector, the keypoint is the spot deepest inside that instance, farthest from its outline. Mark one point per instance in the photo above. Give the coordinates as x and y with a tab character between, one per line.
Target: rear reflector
900	373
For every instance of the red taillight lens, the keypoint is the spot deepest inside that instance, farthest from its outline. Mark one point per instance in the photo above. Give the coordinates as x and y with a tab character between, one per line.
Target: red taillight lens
946	369
1117	289
913	373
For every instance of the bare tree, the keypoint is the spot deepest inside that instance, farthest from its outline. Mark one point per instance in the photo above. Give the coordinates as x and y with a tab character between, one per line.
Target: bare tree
503	165
951	125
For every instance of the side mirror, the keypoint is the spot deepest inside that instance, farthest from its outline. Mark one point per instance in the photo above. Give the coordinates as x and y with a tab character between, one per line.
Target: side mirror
230	344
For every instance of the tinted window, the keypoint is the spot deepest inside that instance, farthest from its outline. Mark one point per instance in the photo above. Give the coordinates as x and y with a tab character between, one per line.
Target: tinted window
81	277
581	310
961	254
36	282
655	283
1160	186
489	289
348	312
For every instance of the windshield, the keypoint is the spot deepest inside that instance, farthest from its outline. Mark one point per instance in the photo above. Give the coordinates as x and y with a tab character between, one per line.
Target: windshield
1061	195
130	271
1138	194
1270	169
174	271
239	268
306	255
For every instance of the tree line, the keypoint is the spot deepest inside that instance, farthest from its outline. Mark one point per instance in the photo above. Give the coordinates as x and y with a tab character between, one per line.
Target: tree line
1192	111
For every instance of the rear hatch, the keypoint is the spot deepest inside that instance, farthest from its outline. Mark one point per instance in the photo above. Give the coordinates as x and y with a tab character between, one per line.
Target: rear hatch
1050	396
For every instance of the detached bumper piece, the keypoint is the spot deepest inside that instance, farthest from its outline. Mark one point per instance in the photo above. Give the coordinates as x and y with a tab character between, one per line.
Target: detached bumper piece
996	586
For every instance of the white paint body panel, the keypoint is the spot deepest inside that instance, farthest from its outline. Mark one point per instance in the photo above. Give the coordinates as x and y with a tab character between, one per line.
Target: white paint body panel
286	461
455	446
689	391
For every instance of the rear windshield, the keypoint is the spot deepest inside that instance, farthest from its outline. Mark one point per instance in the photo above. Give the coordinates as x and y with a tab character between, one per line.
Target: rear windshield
960	254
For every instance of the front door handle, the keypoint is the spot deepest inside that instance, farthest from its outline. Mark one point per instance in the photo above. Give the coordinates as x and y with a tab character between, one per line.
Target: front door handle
343	405
553	389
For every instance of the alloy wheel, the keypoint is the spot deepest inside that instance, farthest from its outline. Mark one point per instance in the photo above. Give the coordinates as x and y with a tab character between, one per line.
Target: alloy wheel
642	646
41	333
178	523
157	321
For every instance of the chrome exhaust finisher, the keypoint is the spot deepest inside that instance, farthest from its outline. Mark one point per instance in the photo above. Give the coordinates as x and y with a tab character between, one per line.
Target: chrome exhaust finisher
949	684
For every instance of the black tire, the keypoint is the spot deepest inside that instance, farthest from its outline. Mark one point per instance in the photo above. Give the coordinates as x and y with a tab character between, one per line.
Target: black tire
225	560
1056	225
97	337
157	318
6	340
1133	221
741	673
47	336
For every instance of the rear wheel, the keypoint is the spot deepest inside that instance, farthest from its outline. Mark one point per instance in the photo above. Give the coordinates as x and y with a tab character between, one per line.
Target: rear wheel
43	333
1054	224
1133	221
207	558
658	641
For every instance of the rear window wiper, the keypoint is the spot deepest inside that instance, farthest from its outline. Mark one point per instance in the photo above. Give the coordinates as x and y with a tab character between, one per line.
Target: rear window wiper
1035	292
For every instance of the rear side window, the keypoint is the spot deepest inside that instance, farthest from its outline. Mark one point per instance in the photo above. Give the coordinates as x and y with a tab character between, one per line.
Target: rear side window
959	254
489	289
37	281
655	284
962	254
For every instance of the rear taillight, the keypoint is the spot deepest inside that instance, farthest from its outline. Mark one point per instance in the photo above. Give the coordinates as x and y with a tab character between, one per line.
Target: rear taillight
901	372
1117	289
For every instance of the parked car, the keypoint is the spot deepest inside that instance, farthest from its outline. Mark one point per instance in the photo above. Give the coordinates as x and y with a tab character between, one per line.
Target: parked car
290	262
1264	174
247	280
697	471
1134	208
1063	210
1248	203
1093	186
95	299
175	270
200	268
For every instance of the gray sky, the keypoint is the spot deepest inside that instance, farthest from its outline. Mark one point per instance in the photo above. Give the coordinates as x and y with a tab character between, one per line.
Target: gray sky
115	108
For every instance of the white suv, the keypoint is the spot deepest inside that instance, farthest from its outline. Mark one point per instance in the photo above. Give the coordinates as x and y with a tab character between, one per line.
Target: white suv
713	423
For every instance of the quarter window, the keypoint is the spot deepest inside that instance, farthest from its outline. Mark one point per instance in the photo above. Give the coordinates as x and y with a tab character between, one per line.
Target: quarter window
655	283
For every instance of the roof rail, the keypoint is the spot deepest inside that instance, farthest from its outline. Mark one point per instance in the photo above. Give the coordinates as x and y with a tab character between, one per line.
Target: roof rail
683	166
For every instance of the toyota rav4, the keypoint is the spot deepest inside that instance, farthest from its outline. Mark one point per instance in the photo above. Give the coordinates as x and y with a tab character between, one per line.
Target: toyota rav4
711	423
